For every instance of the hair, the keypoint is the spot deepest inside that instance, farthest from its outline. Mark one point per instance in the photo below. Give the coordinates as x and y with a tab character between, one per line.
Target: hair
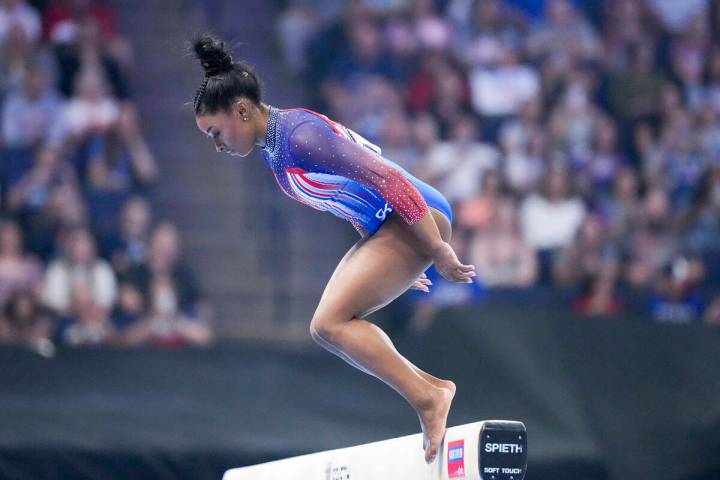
225	79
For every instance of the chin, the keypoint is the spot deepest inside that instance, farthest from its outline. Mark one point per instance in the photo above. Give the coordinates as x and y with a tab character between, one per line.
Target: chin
241	154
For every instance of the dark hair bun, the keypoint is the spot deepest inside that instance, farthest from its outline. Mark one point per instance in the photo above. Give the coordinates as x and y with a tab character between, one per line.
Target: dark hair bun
214	56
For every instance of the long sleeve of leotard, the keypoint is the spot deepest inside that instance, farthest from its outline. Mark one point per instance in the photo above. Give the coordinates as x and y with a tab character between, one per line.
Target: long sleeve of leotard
320	148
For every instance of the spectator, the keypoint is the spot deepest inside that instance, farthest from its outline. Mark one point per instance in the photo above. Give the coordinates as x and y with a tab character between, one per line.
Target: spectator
18	271
599	296
80	269
25	322
484	28
44	199
397	140
523	145
27	115
441	89
502	86
19	34
500	255
86	322
651	243
478	212
130	309
634	92
605	161
90	113
585	258
676	297
621	209
129	249
176	314
17	14
455	167
573	121
566	33
550	219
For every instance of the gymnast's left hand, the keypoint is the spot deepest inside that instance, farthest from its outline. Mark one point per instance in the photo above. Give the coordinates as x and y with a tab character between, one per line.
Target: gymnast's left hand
423	283
448	265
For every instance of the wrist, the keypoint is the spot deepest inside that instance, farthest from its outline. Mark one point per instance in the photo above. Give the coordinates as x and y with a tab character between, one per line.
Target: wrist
437	248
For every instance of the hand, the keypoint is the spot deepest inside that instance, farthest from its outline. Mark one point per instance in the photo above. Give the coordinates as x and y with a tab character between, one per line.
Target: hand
422	283
448	265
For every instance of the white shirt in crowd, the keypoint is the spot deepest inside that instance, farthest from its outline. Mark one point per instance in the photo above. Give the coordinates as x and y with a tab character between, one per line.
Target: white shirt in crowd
549	224
457	170
62	277
79	115
502	90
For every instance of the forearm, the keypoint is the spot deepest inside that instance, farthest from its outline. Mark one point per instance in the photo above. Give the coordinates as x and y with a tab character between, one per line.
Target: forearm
427	233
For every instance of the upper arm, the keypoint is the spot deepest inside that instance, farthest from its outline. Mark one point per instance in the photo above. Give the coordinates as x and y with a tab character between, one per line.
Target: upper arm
319	147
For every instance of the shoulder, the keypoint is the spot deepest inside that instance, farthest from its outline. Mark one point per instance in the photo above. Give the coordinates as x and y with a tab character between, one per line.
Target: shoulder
307	132
301	121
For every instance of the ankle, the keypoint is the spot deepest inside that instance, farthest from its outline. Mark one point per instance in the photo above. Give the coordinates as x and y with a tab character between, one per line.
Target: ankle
429	399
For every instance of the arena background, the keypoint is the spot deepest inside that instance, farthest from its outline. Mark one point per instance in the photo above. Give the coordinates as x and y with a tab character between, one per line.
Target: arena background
156	296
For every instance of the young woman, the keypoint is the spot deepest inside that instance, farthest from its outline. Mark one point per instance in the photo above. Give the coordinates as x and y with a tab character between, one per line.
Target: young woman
404	223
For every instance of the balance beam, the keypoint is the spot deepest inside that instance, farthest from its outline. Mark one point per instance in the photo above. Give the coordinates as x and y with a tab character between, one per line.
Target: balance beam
489	450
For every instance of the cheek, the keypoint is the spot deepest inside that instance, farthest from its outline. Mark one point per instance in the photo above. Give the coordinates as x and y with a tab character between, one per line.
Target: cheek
243	139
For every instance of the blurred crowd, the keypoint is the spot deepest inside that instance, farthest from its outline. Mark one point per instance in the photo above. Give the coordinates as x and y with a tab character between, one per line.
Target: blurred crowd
578	141
82	259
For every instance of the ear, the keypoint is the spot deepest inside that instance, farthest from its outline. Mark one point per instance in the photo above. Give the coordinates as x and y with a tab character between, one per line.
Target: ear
242	108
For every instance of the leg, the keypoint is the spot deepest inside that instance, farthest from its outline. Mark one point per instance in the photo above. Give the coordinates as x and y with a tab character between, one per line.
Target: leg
375	272
444	226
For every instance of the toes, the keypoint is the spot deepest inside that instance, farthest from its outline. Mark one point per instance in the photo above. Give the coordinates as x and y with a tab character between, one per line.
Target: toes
430	456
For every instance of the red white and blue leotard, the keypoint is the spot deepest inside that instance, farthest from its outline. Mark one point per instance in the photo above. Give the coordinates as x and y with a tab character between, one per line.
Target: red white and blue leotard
329	167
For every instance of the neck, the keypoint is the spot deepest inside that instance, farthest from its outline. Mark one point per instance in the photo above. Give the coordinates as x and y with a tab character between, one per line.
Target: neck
261	125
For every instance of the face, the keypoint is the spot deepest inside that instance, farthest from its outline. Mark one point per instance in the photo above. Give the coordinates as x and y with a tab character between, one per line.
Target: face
229	130
82	249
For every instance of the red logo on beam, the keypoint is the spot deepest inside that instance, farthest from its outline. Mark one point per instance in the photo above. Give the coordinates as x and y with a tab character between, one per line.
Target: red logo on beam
456	459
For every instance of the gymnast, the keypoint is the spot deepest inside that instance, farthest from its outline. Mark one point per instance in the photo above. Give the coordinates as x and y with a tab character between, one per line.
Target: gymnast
404	223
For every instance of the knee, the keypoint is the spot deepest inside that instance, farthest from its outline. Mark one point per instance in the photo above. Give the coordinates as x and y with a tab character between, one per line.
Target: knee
323	330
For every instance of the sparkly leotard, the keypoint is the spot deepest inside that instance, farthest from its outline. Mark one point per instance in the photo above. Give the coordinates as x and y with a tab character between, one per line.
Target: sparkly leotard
329	167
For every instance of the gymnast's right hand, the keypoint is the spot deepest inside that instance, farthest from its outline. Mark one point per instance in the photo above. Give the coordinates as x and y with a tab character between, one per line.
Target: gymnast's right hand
448	265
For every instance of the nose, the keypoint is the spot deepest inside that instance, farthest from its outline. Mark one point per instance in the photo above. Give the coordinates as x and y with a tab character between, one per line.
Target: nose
219	147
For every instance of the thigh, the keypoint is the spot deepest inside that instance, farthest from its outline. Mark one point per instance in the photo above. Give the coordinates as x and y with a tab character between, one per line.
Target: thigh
376	270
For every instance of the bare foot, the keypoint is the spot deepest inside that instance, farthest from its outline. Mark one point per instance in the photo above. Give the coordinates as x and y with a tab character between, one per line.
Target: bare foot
439	383
433	419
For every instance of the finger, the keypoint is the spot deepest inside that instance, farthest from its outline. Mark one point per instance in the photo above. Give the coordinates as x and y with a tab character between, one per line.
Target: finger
423	276
463	274
463	277
462	271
